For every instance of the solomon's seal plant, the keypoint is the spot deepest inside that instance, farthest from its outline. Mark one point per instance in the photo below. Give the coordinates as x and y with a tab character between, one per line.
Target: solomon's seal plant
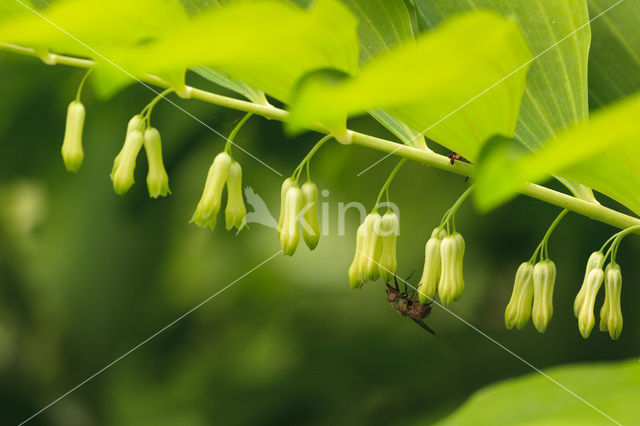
476	96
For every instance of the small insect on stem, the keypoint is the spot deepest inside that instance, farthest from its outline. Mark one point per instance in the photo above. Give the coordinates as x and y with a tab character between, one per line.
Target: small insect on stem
405	302
453	157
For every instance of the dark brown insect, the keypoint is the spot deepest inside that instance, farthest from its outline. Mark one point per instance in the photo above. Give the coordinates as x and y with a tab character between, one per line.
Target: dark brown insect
453	157
405	302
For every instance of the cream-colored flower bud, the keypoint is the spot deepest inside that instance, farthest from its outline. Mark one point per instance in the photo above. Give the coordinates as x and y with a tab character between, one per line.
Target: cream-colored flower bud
518	310
372	246
209	205
459	288
611	312
544	278
388	231
595	261
451	282
288	183
586	319
122	174
235	212
72	152
290	233
157	179
356	270
310	226
432	267
136	123
125	163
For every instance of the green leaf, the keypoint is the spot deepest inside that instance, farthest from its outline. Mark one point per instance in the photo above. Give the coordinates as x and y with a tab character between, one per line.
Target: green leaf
444	84
96	29
614	388
383	25
11	9
82	27
268	45
195	7
614	61
556	94
254	95
602	153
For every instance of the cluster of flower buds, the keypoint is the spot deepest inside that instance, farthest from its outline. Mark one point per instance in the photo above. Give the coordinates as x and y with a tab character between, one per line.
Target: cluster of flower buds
533	285
298	208
376	241
72	152
125	162
223	170
611	312
443	264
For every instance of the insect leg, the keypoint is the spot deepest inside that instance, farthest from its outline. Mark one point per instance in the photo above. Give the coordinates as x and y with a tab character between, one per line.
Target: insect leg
423	325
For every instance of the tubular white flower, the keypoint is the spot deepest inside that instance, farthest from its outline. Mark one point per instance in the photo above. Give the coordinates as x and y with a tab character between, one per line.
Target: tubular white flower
290	233
235	212
586	319
209	205
310	226
288	183
459	288
518	310
544	278
356	270
388	231
432	267
595	261
372	247
72	152
157	178
451	282
611	312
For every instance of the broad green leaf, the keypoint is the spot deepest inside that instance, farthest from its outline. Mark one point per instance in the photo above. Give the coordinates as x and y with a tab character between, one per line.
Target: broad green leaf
383	25
96	29
254	95
602	153
614	60
444	84
11	9
556	94
614	388
82	27
268	45
195	7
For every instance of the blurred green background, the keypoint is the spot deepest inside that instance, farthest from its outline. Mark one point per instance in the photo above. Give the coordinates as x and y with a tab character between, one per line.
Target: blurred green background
85	275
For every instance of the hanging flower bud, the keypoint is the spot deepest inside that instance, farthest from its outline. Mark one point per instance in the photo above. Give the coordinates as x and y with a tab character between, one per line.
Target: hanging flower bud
611	312
288	183
544	277
451	282
235	212
157	179
290	234
310	227
356	270
372	247
125	162
432	267
389	230
209	204
519	308
586	320
72	153
459	288
595	261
